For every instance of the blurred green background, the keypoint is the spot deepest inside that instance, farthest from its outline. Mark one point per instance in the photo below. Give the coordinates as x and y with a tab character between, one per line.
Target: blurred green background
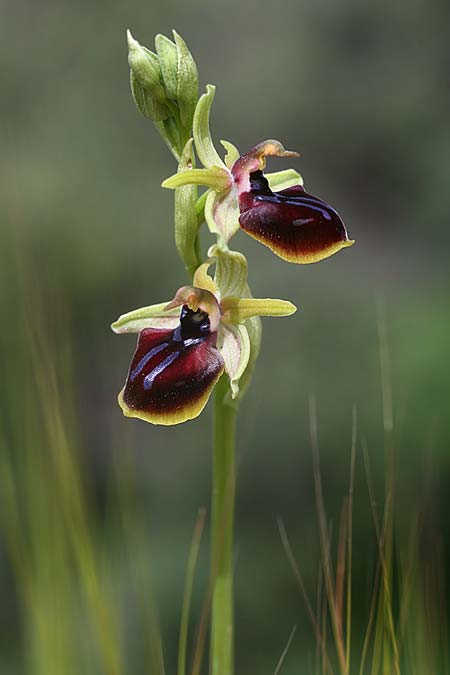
362	91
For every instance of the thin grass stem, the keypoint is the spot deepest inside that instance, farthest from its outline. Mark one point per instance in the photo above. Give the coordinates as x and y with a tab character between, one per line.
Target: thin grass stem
190	573
285	651
350	540
324	539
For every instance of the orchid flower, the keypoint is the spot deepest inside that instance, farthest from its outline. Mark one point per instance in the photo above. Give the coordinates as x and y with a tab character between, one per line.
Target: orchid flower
294	224
185	345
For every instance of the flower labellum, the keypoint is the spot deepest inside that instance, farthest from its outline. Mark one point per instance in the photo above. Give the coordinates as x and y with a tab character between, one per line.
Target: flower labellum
297	226
173	371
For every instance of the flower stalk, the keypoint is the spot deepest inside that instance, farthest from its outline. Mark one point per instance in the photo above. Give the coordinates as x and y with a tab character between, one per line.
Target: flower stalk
222	527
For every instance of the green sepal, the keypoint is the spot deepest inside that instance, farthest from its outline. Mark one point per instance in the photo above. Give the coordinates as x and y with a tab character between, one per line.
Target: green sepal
168	61
237	310
186	224
187	82
202	136
231	271
281	180
216	178
153	316
232	153
146	68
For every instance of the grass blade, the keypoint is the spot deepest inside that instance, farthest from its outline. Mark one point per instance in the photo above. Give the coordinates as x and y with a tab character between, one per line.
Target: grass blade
190	573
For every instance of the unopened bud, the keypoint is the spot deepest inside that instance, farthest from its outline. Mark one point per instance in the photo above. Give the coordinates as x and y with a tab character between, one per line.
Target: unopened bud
187	84
168	61
145	103
145	67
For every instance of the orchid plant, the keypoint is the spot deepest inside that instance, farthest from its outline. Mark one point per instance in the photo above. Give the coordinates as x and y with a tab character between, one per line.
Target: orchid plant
208	336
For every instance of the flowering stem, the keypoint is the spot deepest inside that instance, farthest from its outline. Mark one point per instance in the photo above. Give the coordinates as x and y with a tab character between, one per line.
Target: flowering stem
223	494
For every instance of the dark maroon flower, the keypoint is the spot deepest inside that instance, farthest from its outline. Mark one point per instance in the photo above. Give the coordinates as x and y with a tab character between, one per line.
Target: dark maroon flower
294	224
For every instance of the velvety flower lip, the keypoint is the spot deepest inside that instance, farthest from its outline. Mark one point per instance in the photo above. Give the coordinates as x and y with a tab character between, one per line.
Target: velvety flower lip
173	372
294	224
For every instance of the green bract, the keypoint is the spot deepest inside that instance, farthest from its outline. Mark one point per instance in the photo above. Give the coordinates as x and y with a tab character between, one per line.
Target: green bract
186	220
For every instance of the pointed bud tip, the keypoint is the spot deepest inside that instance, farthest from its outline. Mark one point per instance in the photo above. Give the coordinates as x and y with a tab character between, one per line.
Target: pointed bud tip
290	308
132	43
188	147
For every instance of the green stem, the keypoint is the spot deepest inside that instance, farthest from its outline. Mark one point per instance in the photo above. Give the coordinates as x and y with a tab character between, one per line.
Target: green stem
223	493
